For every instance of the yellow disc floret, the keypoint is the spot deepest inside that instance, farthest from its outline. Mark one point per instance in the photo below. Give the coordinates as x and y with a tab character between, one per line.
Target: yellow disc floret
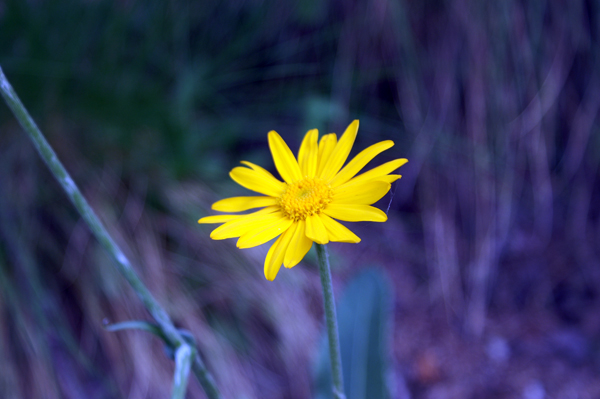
304	198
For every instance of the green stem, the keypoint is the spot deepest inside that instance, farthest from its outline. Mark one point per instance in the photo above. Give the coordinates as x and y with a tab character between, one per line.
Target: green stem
331	319
172	336
205	378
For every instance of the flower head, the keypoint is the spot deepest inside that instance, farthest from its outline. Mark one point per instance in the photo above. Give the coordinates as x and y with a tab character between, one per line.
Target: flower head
316	189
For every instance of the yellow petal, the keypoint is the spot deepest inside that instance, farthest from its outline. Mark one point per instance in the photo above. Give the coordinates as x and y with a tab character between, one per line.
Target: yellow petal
390	178
307	156
359	162
340	152
239	204
367	193
276	254
286	164
376	173
264	233
337	231
218	219
355	213
246	223
299	245
257	181
259	169
315	230
326	146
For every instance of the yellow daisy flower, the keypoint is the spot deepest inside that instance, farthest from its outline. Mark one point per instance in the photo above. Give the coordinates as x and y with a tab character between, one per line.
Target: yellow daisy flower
315	191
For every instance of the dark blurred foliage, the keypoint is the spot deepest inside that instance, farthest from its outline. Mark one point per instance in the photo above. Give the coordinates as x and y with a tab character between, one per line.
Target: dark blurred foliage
494	230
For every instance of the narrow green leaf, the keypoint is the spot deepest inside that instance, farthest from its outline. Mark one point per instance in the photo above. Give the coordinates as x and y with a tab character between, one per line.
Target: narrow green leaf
137	325
183	362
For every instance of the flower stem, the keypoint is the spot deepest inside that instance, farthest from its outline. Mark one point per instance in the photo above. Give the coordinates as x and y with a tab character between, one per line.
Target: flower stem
172	336
331	320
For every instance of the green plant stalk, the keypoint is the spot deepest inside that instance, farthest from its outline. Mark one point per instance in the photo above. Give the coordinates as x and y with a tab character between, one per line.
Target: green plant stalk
331	321
172	336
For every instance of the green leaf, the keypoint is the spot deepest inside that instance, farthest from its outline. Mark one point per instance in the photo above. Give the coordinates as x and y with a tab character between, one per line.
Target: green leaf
183	363
137	325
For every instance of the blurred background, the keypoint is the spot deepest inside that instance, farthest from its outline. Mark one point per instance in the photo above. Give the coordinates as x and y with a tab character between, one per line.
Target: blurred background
486	276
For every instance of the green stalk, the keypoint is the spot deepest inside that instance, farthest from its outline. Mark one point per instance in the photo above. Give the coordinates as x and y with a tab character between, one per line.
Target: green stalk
331	321
172	336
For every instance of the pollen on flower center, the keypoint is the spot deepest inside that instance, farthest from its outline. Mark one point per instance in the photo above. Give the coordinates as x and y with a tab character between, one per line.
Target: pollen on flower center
305	197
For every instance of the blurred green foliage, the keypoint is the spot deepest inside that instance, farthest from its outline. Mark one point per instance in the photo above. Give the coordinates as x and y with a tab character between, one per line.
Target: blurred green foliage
158	86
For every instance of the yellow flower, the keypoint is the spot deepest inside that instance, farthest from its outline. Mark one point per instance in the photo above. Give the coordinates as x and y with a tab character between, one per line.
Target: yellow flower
301	209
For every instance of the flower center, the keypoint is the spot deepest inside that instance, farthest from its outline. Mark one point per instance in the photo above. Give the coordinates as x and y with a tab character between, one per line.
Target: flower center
304	198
